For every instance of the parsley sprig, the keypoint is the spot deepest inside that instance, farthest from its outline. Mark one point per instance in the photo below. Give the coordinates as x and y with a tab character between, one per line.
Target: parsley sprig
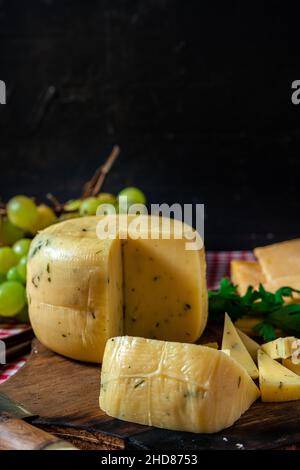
271	308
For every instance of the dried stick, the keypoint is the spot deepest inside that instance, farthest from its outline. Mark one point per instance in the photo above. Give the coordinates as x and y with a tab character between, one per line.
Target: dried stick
93	187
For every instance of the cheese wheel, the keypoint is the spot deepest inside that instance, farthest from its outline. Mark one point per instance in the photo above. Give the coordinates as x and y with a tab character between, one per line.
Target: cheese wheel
83	289
177	386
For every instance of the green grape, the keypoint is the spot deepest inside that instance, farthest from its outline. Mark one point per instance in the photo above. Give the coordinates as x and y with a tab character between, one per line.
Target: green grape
21	247
89	206
107	198
46	217
73	205
9	233
13	275
22	212
8	258
23	316
106	209
22	268
134	196
12	298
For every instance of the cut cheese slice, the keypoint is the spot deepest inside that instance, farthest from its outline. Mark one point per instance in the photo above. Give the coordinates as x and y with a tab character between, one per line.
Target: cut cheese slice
165	294
251	345
173	385
245	274
290	364
280	259
276	382
232	341
281	348
83	290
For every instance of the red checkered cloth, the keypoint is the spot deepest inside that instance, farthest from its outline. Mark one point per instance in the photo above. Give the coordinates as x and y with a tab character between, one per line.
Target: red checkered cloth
218	266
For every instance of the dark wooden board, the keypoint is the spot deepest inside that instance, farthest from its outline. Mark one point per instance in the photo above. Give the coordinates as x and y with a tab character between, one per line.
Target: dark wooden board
64	394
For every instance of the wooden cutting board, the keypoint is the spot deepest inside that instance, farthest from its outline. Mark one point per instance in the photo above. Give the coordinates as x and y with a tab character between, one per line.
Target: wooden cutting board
64	394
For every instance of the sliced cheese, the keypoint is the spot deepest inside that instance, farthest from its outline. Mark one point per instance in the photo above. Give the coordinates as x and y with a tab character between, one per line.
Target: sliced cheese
276	382
232	341
173	385
83	290
281	348
165	294
290	364
251	345
245	274
280	259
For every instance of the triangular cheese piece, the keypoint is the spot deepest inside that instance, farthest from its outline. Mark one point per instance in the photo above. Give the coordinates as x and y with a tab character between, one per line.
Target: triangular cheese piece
281	348
251	345
238	351
276	382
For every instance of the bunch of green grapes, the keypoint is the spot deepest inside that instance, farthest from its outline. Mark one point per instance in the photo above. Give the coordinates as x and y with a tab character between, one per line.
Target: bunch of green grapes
23	219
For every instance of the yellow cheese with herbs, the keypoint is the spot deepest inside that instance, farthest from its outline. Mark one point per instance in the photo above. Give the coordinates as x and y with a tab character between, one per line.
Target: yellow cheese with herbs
83	290
281	348
232	341
276	382
170	385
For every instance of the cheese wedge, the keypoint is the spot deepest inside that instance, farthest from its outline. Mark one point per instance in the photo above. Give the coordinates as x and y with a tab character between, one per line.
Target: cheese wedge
280	259
177	386
251	345
245	274
291	365
232	341
276	382
83	290
281	348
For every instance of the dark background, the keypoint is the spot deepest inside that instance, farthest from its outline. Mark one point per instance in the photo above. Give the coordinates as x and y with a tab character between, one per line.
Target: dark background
197	94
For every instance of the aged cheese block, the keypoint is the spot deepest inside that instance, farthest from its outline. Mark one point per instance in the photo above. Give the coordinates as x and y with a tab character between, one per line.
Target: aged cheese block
233	342
245	274
281	348
276	382
280	259
249	273
83	290
177	386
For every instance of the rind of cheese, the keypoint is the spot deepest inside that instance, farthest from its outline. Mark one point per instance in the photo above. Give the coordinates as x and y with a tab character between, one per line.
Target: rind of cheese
281	348
76	282
74	287
289	364
245	274
276	382
232	341
280	259
176	386
251	345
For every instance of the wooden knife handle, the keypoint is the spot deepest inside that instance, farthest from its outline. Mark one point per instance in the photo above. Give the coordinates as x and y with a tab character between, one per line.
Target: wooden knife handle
16	434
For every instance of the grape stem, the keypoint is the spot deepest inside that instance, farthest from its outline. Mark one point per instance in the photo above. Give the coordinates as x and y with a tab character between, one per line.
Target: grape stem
94	185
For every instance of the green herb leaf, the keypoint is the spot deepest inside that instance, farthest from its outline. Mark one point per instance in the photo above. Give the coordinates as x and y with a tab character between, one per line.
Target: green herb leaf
265	330
260	303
